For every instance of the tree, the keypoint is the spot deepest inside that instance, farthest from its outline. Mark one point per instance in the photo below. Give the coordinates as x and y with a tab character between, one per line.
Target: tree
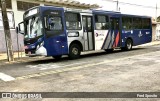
158	19
6	31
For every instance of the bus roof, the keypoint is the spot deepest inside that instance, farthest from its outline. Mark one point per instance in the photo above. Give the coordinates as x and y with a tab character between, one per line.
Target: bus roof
118	13
130	15
103	11
91	11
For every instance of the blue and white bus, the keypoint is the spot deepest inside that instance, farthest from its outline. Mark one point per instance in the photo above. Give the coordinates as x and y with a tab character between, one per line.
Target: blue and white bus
55	31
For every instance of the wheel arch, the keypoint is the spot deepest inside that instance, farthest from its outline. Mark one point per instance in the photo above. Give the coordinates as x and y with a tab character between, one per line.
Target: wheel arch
76	42
130	38
125	48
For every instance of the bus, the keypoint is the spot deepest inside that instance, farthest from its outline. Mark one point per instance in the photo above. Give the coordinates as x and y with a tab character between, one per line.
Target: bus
55	31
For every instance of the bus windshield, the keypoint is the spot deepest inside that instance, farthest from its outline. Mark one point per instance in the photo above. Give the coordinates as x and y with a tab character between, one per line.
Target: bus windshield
33	27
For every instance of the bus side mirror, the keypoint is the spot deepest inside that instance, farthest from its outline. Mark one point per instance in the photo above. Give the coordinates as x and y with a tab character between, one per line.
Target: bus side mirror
46	22
20	28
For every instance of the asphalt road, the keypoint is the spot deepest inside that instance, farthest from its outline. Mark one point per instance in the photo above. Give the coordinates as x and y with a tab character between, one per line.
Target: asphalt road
130	71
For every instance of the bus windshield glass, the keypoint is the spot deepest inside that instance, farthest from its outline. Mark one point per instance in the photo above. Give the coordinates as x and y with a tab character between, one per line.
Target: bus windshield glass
33	27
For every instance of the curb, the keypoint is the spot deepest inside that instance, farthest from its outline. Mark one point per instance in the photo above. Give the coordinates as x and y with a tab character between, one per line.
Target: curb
149	44
21	60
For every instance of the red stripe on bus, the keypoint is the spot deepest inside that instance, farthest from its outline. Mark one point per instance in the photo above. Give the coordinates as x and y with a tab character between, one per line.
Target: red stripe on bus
117	39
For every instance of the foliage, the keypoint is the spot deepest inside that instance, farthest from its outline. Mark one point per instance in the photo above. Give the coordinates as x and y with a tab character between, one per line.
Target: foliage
158	19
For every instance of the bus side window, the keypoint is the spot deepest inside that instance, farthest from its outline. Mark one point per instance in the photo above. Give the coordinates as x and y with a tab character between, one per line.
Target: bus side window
54	23
73	21
137	23
127	23
102	22
112	24
146	23
84	24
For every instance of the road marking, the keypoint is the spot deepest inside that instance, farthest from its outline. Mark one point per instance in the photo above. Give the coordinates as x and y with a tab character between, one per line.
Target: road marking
70	68
75	68
52	65
6	77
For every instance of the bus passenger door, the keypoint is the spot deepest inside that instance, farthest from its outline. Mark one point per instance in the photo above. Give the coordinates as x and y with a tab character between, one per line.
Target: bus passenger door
56	41
88	32
115	32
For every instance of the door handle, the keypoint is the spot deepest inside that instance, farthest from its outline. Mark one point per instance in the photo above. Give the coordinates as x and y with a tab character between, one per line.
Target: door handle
57	41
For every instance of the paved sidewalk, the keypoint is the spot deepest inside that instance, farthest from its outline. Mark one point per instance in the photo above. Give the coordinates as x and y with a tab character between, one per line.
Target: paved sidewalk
150	44
3	56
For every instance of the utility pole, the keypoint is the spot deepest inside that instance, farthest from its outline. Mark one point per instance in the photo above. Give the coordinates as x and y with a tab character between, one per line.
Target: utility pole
117	5
156	13
7	31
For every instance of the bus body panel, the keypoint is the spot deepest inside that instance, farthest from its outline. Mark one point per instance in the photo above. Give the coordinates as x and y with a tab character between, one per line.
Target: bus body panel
72	37
102	37
138	36
84	38
117	40
109	38
55	44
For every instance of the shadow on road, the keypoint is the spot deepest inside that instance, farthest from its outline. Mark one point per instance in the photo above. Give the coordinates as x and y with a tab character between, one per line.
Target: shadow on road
94	55
46	60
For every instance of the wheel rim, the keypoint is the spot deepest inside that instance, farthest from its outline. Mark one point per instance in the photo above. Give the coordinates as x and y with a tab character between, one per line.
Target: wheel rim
75	51
129	45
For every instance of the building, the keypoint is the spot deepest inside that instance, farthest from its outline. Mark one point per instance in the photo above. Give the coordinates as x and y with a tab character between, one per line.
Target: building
154	25
155	30
157	35
16	8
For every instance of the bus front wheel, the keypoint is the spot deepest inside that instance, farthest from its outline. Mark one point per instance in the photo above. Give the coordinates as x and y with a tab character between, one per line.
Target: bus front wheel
74	51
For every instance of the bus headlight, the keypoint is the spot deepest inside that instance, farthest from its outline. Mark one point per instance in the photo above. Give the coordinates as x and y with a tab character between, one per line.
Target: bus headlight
37	46
42	43
32	47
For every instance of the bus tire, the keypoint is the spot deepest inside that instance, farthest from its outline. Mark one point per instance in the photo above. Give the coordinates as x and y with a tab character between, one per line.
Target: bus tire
74	51
57	57
128	45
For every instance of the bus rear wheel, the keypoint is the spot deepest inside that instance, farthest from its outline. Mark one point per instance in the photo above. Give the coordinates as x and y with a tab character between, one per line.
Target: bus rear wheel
128	45
74	51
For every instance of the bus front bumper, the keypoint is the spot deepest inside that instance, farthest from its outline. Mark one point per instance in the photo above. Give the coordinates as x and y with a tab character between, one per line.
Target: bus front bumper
41	51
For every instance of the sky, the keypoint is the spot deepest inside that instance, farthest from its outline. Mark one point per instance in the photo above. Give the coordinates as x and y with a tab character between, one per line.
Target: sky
129	9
